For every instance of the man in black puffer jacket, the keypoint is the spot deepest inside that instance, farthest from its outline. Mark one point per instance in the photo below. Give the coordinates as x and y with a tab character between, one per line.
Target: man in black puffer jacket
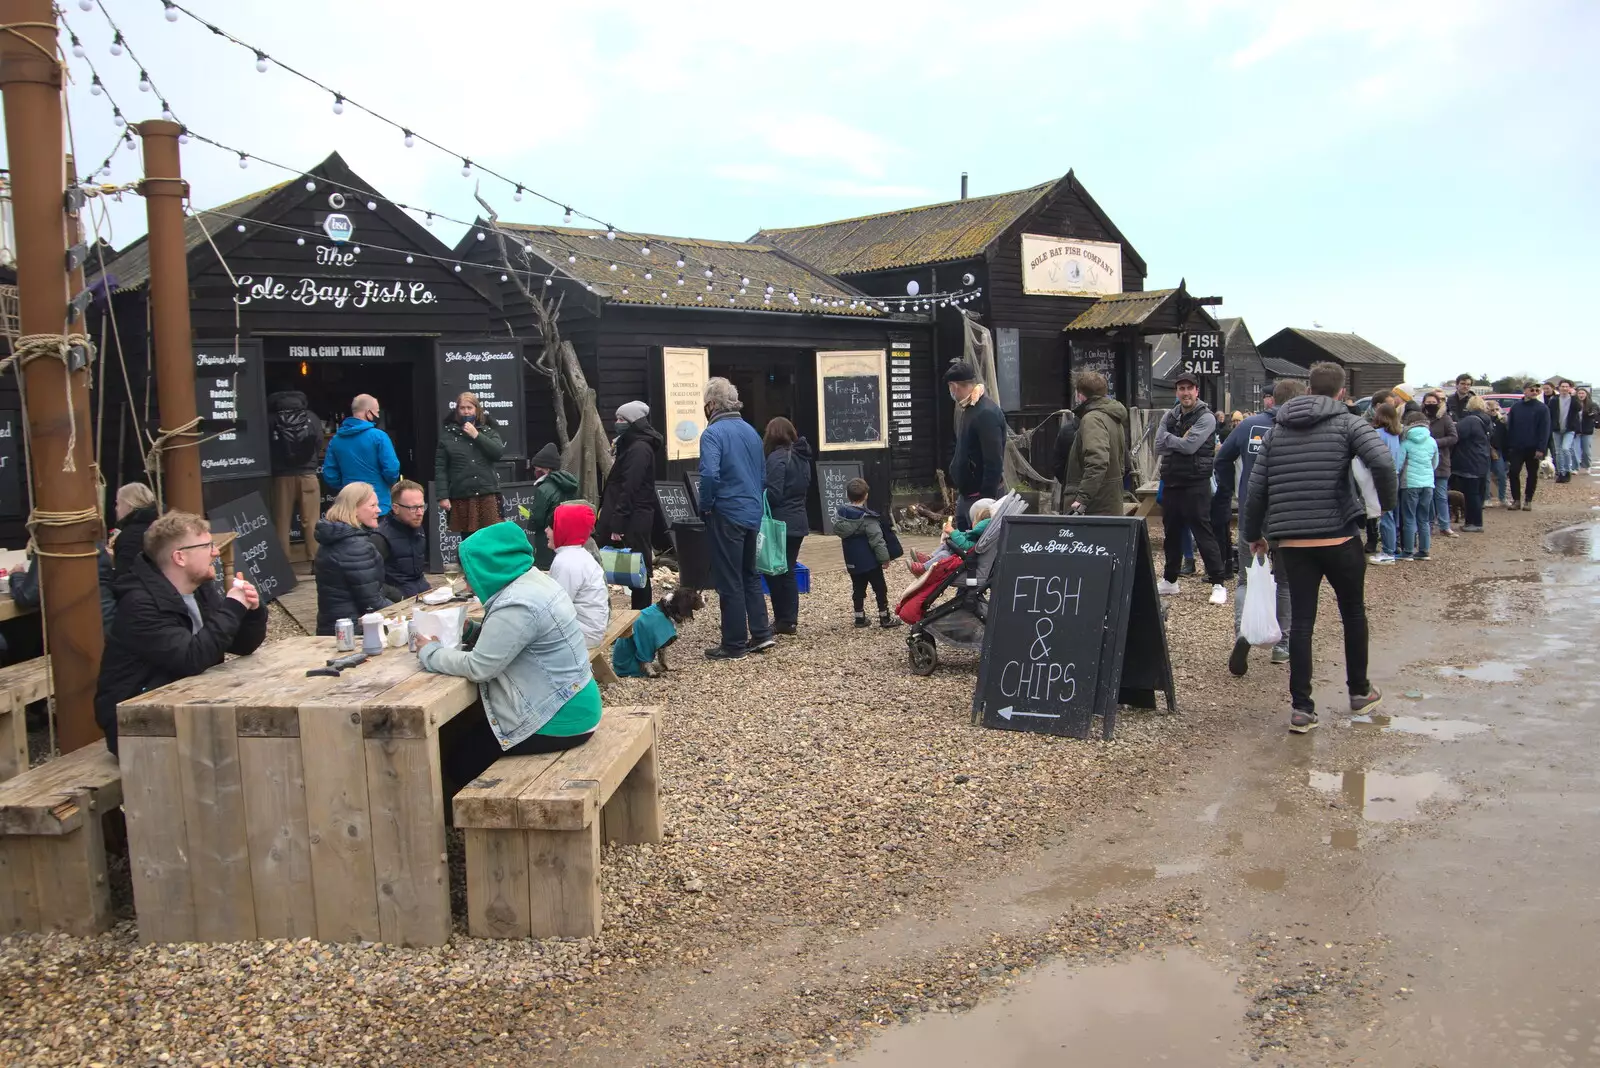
1304	499
402	541
172	620
1186	442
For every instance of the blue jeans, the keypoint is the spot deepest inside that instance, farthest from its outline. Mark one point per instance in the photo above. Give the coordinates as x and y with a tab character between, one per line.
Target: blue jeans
1497	469
739	597
1388	528
1417	506
1441	501
1585	450
1565	452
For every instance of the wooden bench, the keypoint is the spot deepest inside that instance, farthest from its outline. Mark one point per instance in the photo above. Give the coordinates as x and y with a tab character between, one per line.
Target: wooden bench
52	849
534	824
600	656
20	686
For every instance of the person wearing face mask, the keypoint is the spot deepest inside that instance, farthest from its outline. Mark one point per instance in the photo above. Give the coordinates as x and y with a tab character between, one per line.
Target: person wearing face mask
628	502
463	465
360	452
552	487
1443	429
978	467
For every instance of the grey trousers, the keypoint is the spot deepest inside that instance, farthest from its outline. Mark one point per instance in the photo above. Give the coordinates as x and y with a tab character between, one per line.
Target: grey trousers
1239	592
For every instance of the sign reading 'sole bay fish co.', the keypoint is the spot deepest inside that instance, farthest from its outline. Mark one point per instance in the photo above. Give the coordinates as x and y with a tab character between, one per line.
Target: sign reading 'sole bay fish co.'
356	293
1067	267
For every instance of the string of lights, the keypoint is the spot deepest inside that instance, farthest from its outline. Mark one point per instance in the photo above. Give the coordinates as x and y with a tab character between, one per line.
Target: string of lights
683	258
98	88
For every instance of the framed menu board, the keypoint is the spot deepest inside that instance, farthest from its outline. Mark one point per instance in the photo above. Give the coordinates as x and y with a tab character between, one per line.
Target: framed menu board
852	400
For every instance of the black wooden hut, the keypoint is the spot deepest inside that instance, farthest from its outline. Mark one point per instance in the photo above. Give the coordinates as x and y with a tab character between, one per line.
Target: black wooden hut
1245	378
317	284
1041	256
1368	368
652	326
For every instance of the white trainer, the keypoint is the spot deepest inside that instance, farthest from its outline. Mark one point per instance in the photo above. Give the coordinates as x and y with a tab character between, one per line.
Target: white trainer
1219	595
1166	589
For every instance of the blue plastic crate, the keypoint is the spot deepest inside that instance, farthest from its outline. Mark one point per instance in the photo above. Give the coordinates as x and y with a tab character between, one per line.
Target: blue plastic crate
802	578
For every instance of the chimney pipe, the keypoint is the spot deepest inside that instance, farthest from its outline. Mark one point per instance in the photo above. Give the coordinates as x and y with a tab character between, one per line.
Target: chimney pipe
963	185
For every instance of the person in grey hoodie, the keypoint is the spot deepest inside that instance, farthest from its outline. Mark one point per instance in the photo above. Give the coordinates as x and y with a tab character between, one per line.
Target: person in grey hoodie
1303	500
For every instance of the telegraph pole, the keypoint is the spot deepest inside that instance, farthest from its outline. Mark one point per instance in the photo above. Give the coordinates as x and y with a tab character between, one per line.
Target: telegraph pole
164	191
66	516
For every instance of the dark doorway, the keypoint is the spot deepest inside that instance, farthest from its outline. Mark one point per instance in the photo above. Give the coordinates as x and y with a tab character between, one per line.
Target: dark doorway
771	382
330	385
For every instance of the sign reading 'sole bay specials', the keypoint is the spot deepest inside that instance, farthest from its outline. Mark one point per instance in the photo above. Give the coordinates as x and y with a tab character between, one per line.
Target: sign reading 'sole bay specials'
1067	267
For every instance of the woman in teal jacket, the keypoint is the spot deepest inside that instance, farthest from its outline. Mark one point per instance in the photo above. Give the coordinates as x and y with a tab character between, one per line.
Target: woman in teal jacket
1419	457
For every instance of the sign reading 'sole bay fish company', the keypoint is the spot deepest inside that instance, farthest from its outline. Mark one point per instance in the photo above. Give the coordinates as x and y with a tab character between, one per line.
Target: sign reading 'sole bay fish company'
1066	267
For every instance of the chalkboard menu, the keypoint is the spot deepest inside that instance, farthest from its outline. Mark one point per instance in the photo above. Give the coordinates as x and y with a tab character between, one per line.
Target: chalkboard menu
675	505
832	477
493	370
518	496
691	485
1008	366
851	401
231	399
256	551
900	392
13	495
442	541
1074	626
1096	356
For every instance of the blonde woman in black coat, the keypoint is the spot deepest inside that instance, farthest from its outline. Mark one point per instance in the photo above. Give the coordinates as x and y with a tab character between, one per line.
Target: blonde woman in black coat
349	564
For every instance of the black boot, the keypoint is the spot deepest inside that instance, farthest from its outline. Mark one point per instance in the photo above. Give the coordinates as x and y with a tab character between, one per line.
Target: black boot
861	619
886	620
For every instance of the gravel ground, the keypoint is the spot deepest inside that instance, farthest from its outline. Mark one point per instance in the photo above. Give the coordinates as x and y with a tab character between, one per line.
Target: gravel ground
819	788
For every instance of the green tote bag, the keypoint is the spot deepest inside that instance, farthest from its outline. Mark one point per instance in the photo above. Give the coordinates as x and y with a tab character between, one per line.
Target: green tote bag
772	542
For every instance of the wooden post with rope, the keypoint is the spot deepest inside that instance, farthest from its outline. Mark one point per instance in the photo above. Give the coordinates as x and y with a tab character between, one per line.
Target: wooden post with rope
176	447
65	521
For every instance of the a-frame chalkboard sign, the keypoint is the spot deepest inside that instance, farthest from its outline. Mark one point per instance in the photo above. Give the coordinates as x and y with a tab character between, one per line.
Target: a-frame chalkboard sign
1074	627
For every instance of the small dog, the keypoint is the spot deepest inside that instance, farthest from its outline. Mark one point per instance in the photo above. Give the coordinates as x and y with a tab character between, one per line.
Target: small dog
1458	507
679	607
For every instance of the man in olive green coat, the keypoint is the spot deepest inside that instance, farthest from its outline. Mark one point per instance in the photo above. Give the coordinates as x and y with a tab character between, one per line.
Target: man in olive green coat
1100	451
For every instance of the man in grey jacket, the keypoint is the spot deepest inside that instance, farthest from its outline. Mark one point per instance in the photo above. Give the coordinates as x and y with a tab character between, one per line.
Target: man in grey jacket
1303	499
1186	442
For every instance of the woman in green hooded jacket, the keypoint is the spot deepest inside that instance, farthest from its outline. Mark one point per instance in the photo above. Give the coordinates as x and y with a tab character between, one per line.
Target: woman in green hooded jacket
463	466
527	657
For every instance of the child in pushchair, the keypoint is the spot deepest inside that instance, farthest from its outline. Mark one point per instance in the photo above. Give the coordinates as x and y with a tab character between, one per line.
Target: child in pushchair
955	542
959	620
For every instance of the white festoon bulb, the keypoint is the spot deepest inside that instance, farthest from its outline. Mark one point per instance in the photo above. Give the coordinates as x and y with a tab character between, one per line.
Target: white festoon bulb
411	259
144	82
172	13
96	87
338	104
261	62
85	5
466	168
77	48
183	138
116	45
518	194
311	187
411	139
300	241
116	118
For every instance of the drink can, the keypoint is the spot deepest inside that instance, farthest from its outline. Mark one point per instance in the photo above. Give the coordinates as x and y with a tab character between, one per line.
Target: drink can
344	634
411	635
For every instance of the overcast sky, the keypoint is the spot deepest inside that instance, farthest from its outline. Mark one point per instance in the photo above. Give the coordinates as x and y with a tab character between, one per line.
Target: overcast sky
1421	172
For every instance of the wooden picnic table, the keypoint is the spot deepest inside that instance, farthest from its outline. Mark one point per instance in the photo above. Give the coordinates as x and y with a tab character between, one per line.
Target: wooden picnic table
265	804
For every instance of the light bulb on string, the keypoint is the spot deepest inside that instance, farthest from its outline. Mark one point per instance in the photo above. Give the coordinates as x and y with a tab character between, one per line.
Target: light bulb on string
699	299
708	272
128	140
171	12
611	232
644	250
458	268
548	281
116	118
466	168
480	235
183	136
742	290
680	261
372	205
300	241
663	294
144	82
505	278
311	187
411	259
566	216
613	267
648	275
744	281
356	249
85	5
77	46
769	291
261	62
166	112
240	228
96	87
428	218
116	44
571	258
411	139
518	194
708	287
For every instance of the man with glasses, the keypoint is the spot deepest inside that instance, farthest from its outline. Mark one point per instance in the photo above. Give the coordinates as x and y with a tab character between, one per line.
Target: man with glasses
360	452
403	541
172	619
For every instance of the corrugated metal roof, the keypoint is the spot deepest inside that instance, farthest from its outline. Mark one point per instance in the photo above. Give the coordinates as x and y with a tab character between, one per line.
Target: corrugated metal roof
1121	309
1164	355
131	268
1346	348
732	261
1284	368
933	233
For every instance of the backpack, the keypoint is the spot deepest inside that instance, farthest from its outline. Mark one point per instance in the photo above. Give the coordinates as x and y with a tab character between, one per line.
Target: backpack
294	439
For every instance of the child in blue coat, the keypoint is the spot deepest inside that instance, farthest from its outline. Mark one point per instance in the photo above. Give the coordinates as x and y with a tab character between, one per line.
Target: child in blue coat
866	550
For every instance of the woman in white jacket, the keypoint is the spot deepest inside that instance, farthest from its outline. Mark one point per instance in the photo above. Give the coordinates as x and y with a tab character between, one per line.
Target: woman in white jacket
576	571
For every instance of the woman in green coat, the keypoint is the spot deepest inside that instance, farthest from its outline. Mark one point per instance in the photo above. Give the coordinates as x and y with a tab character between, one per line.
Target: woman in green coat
463	465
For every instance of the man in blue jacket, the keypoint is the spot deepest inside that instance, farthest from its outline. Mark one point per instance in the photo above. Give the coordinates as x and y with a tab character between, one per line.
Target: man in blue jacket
360	452
732	483
1527	437
1244	445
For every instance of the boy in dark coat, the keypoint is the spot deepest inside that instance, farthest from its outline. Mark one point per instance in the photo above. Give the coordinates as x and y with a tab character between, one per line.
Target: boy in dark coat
865	552
172	621
552	487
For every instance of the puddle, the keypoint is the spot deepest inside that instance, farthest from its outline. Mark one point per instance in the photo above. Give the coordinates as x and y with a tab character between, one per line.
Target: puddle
1095	881
1381	797
1192	866
1582	540
1149	1010
1446	730
1488	671
1269	879
1345	838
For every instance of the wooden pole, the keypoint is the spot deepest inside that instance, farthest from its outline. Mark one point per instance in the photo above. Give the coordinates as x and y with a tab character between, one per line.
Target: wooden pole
30	79
164	191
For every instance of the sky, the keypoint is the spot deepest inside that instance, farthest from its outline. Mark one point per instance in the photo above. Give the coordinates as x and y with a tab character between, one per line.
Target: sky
1420	172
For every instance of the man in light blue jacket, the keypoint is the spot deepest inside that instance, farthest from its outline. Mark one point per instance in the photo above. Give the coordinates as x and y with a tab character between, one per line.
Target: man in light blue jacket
732	484
360	452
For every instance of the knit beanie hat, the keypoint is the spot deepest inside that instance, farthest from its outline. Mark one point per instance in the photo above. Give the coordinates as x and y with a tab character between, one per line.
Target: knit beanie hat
633	411
571	524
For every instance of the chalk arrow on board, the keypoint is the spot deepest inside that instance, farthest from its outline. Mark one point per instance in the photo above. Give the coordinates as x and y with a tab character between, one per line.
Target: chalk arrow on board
1010	710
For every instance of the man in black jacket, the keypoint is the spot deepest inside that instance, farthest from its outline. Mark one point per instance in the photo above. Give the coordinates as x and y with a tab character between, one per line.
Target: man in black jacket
172	621
402	540
978	468
1303	499
1186	442
295	448
628	504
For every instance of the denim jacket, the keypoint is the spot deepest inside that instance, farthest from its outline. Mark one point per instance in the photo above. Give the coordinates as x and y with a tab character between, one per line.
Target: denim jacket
529	658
